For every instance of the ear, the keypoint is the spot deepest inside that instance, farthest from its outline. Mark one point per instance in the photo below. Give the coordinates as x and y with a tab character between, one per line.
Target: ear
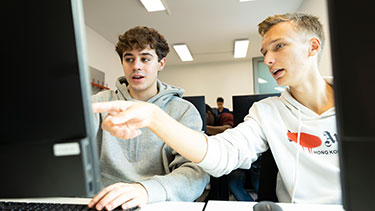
314	46
162	63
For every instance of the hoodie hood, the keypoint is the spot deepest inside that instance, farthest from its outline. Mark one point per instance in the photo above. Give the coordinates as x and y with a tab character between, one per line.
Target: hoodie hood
298	109
166	92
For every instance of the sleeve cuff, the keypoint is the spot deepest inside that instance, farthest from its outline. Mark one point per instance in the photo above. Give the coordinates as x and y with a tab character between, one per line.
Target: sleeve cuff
156	192
212	158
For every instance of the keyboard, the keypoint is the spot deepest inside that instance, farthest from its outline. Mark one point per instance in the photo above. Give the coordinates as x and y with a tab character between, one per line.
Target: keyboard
49	206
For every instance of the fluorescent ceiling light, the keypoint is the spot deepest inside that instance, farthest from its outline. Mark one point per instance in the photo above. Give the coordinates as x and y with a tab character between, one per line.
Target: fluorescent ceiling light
262	81
240	48
183	52
246	0
153	5
280	89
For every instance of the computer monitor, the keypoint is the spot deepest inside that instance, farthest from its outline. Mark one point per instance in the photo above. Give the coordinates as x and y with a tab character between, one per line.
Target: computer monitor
199	103
242	104
47	146
352	44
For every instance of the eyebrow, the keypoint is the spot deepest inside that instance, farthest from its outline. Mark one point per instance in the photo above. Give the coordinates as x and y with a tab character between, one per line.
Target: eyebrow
127	54
147	54
273	41
142	54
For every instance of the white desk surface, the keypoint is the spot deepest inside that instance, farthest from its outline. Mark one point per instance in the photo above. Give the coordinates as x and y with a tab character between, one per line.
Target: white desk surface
248	206
162	206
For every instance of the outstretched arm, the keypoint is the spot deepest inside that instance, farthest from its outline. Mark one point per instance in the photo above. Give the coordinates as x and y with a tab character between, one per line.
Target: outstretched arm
125	118
213	130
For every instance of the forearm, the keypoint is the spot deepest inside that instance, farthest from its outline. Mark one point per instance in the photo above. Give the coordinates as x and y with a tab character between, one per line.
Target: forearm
185	183
126	118
189	143
213	130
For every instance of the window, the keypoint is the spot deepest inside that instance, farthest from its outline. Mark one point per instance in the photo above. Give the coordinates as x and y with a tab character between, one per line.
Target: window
263	81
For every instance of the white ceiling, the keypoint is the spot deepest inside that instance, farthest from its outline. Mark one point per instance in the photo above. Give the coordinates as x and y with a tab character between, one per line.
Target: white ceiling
209	27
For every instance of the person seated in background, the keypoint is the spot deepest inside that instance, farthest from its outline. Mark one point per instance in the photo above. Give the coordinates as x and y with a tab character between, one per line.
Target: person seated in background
211	117
216	124
220	106
144	169
297	126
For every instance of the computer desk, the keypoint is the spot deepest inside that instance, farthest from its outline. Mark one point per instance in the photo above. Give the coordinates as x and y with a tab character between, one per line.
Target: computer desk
248	206
160	206
195	206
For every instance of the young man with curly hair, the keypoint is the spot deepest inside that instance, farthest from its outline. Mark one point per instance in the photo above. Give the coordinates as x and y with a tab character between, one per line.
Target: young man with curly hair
144	169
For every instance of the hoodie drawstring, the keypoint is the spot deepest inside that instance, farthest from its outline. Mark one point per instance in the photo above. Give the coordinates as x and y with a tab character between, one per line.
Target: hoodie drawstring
297	156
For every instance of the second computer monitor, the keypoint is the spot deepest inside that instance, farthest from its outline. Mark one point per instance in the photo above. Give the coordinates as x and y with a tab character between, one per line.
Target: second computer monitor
199	103
242	104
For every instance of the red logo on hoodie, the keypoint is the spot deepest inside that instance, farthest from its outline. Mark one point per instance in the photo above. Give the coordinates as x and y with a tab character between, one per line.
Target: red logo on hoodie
306	140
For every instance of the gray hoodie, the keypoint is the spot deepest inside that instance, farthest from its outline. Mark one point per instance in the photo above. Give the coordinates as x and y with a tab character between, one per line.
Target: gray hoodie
146	159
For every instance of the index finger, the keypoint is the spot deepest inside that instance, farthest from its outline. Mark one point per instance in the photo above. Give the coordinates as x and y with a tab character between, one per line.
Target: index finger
110	107
101	195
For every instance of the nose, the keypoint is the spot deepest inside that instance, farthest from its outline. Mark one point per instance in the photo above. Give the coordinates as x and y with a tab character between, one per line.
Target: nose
269	60
137	64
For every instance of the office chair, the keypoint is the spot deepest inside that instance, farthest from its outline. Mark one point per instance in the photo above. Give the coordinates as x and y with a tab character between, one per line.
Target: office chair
267	178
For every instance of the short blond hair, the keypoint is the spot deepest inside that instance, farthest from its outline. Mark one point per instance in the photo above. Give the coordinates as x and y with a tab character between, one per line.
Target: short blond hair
303	22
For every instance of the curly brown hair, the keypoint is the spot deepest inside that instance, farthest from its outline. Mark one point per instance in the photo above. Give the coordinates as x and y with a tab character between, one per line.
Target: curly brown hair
141	37
303	22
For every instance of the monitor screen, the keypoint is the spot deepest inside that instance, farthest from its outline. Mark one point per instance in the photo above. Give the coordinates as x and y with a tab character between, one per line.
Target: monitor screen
199	103
47	146
242	104
351	32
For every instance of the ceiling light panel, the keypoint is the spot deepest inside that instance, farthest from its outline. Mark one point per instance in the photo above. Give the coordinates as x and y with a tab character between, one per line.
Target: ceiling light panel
153	5
240	48
183	52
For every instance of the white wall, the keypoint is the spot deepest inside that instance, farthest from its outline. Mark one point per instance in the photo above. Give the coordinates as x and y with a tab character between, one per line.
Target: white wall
212	80
102	56
319	9
220	79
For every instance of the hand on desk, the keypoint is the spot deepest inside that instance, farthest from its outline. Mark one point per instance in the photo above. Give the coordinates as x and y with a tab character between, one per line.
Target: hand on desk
120	194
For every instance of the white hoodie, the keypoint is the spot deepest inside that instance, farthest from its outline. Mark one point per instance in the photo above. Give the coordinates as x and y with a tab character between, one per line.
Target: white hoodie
307	157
